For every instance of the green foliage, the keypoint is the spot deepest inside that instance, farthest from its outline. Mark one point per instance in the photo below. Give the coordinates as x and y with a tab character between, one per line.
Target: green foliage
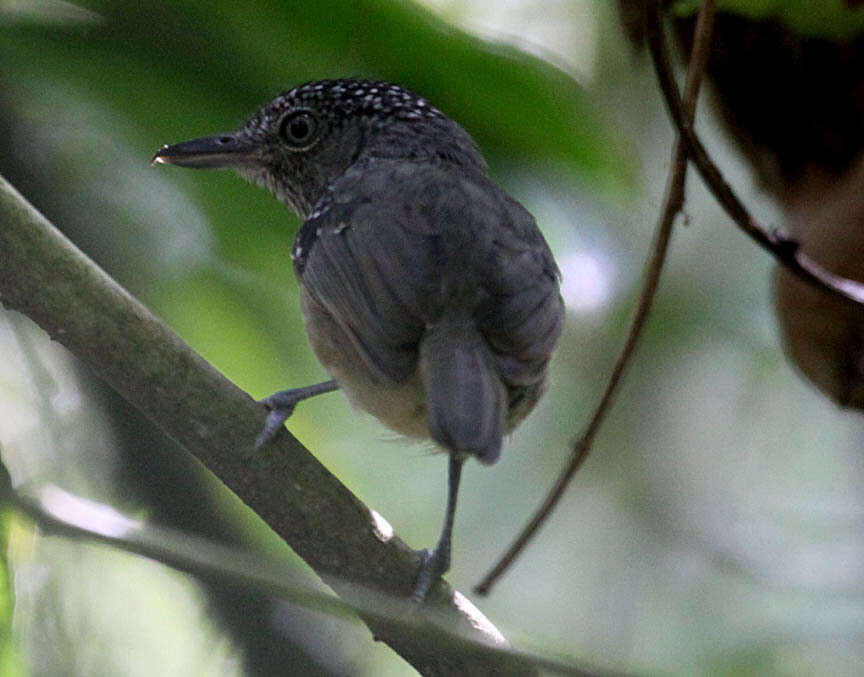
133	76
709	532
9	662
832	19
90	91
222	62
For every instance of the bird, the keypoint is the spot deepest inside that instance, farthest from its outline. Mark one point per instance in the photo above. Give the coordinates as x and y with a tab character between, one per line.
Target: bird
428	294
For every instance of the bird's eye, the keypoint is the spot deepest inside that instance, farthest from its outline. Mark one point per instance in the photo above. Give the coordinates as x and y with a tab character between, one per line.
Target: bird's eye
299	129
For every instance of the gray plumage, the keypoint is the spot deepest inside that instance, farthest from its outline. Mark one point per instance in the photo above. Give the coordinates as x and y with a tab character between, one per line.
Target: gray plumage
428	294
456	283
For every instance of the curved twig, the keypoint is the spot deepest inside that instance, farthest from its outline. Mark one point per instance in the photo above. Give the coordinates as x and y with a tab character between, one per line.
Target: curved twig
672	203
786	250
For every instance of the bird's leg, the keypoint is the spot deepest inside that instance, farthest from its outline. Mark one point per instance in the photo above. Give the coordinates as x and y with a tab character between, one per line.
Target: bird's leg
281	405
436	563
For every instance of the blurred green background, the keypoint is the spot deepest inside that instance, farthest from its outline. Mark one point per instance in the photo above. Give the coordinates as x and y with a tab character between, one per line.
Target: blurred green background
717	528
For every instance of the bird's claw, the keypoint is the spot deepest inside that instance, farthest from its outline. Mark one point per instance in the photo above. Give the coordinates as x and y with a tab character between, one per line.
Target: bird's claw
281	406
275	420
433	565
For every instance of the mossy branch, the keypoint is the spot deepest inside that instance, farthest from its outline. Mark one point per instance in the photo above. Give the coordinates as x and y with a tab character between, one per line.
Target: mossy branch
44	276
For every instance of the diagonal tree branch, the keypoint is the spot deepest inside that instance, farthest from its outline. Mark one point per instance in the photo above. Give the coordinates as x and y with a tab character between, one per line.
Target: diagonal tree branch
45	277
59	513
784	249
672	203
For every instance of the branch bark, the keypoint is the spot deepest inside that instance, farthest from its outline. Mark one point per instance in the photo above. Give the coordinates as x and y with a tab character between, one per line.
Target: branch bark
59	513
44	276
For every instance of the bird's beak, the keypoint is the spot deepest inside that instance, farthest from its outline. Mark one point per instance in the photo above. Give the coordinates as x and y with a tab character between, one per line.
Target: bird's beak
210	152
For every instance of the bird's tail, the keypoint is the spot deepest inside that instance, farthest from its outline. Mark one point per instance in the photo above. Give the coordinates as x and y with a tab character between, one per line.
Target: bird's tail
466	401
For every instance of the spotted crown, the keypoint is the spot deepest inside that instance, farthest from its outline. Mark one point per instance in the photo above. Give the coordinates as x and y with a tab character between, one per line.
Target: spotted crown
350	97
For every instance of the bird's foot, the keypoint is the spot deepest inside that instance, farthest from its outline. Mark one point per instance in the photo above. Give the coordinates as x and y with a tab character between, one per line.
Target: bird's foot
433	566
281	405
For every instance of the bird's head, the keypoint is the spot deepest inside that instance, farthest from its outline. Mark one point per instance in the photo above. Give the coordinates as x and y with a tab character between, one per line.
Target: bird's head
302	140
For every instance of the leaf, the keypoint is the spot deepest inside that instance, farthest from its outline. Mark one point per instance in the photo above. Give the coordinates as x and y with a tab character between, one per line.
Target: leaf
178	68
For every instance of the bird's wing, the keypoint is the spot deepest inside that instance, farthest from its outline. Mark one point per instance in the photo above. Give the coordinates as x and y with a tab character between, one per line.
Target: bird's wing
522	317
396	239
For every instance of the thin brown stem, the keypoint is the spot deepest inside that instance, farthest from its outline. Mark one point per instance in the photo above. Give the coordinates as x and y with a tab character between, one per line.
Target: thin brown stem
673	200
783	248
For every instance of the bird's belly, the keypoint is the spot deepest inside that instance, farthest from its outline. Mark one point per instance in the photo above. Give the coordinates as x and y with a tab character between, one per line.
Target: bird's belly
399	406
